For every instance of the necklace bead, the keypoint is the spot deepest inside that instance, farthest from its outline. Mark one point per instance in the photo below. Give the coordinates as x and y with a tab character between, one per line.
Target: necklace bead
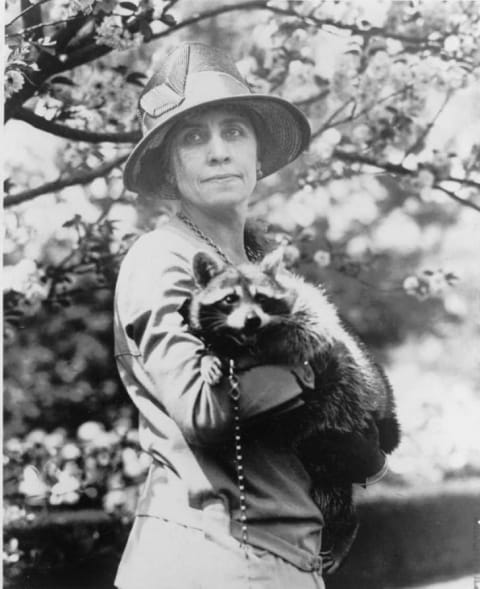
251	255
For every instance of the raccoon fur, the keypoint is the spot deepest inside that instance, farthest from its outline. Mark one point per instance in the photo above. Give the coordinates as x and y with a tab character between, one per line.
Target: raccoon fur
271	315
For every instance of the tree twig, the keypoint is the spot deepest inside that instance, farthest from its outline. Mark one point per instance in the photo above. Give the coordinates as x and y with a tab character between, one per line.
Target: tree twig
419	140
94	51
25	11
393	168
26	115
312	99
331	123
42	25
55	186
462	201
255	4
399	169
356	30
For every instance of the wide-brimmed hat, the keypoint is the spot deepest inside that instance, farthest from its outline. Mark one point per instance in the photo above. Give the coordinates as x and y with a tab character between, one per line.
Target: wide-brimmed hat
193	76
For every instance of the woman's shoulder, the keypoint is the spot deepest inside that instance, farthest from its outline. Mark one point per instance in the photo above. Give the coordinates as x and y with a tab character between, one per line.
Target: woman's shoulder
158	261
163	245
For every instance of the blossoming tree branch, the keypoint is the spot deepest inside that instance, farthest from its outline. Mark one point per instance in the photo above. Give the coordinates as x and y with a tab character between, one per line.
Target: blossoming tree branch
376	84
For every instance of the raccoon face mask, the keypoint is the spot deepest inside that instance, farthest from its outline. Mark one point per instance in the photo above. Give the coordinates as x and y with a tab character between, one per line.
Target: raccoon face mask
236	301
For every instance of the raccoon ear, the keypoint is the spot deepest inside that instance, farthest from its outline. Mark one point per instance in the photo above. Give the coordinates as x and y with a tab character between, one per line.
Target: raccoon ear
204	268
272	262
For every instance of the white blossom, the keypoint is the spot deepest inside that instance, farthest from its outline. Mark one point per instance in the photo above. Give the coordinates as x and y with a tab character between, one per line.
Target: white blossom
410	162
158	7
300	208
324	145
11	552
70	452
13	513
132	467
31	485
65	490
90	431
247	65
436	282
114	500
36	436
452	43
410	284
55	440
279	4
80	6
13	82
111	33
322	258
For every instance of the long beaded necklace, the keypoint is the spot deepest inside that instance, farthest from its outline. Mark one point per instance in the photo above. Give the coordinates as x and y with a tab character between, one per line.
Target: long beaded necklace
234	392
251	255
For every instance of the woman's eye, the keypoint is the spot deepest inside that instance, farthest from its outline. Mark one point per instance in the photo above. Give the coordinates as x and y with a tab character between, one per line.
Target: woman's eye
230	299
192	138
234	132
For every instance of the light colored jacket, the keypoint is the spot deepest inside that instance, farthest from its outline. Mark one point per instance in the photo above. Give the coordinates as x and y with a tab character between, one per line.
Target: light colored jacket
186	425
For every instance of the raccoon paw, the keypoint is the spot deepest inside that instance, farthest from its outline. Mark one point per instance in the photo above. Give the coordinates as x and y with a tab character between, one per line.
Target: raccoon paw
211	369
332	559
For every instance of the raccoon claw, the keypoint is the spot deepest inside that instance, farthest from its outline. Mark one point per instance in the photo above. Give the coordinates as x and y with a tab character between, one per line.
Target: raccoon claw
329	563
332	559
211	369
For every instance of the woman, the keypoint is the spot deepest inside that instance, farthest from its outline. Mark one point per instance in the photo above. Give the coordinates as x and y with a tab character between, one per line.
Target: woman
213	513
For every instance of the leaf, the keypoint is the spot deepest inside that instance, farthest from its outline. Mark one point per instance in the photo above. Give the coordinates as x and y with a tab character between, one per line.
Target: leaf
7	185
145	29
121	69
77	219
365	24
169	20
136	78
129	6
451	277
62	80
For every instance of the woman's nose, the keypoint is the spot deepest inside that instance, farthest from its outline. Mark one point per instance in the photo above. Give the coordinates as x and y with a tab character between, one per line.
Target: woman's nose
218	149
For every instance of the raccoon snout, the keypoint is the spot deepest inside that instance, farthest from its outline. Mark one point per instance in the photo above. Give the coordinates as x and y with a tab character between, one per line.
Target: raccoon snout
252	323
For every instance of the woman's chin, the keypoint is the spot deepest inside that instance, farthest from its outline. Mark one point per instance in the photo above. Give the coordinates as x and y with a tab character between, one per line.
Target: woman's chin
225	198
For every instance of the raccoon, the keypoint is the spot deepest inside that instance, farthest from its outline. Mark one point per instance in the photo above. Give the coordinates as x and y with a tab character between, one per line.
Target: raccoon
266	313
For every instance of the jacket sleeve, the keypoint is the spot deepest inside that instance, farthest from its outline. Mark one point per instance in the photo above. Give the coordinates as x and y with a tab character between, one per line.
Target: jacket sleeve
150	291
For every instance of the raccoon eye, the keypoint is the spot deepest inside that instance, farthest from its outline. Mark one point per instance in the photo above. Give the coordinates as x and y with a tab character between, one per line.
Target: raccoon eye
230	299
261	298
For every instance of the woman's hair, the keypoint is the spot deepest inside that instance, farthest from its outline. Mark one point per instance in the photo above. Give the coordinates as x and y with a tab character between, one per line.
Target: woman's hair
157	172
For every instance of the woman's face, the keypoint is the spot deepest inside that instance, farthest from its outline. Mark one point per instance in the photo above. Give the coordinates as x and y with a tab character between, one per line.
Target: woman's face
214	159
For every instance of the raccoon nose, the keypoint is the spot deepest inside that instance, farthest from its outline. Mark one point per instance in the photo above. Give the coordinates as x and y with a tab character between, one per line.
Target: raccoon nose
252	322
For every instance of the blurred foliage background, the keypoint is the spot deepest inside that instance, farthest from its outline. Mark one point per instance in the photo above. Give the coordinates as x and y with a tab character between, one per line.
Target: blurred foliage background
383	209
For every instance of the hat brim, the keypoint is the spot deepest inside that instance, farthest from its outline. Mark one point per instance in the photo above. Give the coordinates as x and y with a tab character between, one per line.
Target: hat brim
286	130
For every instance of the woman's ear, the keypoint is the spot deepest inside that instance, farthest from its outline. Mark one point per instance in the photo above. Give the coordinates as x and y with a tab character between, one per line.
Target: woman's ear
204	268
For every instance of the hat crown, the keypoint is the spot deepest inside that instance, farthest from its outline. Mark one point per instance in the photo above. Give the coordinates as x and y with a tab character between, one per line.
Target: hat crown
182	62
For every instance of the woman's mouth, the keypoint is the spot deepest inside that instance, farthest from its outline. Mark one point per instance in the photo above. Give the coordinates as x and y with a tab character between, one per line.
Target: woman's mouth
222	178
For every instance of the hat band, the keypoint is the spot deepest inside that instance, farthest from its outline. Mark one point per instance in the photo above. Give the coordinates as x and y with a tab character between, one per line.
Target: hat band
201	88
